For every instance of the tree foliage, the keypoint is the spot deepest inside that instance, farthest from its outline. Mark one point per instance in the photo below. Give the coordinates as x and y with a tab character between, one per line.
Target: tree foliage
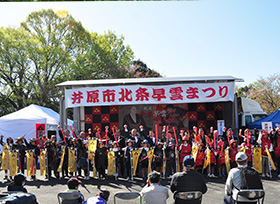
140	70
266	91
49	48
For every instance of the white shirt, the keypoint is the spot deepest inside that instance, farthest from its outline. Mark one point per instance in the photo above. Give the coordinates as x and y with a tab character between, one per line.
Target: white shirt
154	194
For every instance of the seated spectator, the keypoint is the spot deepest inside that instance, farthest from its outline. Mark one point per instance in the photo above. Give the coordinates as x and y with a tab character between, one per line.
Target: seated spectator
153	193
73	185
17	184
188	180
101	198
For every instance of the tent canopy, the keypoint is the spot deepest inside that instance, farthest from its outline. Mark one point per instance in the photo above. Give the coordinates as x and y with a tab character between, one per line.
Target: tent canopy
23	122
273	117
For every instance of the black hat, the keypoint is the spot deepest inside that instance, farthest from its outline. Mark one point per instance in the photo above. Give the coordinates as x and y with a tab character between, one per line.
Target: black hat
73	182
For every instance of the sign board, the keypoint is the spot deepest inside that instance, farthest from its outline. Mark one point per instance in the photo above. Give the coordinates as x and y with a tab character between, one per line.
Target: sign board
220	126
143	94
267	126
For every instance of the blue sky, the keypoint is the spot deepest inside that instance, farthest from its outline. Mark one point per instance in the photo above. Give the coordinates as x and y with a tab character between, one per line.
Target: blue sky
182	38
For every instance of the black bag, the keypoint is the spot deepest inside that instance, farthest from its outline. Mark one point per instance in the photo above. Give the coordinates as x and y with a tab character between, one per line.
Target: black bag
19	198
250	179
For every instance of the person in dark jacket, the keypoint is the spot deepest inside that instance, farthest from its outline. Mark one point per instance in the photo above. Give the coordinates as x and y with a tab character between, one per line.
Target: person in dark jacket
17	184
21	153
101	160
188	180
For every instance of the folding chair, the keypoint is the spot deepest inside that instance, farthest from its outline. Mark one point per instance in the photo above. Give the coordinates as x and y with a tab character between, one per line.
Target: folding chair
252	194
69	197
127	196
189	196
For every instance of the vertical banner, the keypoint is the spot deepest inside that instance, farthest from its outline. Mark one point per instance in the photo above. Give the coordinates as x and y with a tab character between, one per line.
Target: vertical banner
92	145
135	157
71	160
270	160
30	163
91	157
5	157
164	163
257	159
177	160
111	163
43	166
194	151
40	132
150	154
61	161
227	160
13	163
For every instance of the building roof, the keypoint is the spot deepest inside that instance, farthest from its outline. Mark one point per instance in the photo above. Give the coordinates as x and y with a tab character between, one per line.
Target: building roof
147	81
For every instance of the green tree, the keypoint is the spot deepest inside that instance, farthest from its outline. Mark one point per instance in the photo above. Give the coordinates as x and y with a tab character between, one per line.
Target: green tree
140	70
106	57
14	78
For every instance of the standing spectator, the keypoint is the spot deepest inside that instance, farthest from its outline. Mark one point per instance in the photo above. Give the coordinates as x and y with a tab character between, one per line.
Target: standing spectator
153	193
102	198
188	180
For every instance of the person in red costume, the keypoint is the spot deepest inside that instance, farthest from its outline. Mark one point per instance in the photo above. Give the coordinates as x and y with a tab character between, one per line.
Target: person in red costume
185	149
266	144
221	158
213	160
233	150
276	145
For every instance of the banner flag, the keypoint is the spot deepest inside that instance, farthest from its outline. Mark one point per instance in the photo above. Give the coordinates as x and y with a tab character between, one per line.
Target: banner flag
13	163
135	157
91	157
227	160
30	163
71	160
194	151
61	161
5	157
111	163
257	159
207	162
43	166
152	94
150	154
164	163
177	160
270	160
92	145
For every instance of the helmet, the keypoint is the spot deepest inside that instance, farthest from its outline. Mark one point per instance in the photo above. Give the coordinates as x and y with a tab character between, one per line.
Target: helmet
145	142
10	139
32	140
188	161
233	141
19	178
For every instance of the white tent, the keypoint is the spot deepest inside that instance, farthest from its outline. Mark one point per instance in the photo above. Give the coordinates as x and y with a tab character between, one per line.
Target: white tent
23	122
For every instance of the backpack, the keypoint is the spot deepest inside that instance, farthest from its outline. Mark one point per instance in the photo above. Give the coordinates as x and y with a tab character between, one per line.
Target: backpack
250	178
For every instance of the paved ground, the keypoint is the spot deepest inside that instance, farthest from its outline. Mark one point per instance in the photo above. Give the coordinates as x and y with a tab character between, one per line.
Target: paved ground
46	191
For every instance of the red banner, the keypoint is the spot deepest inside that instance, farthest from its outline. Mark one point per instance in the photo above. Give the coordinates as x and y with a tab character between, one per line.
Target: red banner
40	133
